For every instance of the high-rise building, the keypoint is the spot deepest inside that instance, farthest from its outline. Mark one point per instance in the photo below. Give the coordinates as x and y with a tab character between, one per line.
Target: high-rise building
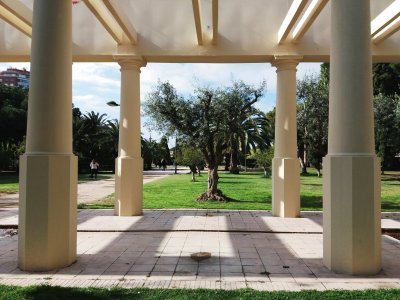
15	77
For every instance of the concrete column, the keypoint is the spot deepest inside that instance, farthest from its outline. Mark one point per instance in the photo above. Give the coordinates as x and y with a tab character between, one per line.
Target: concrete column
129	164
352	240
48	169
285	165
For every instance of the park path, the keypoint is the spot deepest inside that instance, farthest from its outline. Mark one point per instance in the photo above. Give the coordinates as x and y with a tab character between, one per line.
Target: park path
92	190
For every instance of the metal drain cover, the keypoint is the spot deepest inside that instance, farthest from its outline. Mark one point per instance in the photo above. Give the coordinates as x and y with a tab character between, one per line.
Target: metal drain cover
199	256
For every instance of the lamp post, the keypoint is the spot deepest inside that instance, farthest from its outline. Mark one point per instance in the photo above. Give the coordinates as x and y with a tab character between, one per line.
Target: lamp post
112	103
175	165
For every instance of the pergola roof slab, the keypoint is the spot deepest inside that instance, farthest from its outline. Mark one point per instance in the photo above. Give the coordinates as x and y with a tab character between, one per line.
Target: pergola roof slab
229	30
9	13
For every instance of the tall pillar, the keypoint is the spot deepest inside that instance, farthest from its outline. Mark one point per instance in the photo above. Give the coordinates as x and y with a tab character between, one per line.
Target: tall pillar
129	164
352	240
285	164
48	169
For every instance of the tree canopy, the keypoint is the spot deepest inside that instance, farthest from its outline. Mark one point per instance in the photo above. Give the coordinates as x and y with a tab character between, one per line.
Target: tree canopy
197	120
13	119
212	120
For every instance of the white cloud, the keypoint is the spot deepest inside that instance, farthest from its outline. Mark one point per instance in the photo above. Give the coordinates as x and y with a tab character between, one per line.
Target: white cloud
96	103
184	77
4	66
102	76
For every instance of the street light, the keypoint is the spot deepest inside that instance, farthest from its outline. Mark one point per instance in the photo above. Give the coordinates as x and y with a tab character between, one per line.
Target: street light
112	103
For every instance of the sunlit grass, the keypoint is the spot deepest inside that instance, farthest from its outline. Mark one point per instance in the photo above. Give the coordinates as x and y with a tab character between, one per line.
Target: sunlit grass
247	190
55	292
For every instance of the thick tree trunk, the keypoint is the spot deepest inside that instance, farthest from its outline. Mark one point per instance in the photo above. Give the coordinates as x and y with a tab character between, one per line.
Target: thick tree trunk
234	162
212	180
213	193
303	160
193	171
227	161
303	166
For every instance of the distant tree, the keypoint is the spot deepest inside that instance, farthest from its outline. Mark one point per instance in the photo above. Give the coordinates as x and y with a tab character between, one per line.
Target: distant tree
387	130
94	136
79	134
151	152
13	120
264	160
199	120
270	116
95	127
324	74
112	136
165	152
312	118
192	158
386	79
257	134
301	138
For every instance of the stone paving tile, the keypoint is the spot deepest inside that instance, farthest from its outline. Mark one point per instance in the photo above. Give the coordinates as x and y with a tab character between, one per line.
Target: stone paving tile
194	220
233	285
231	276
208	276
231	268
184	276
265	261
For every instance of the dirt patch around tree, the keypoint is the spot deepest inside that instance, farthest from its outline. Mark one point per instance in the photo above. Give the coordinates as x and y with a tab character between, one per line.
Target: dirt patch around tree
393	233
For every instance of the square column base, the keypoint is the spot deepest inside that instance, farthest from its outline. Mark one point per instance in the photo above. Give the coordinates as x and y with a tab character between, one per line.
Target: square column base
128	186
47	212
352	223
285	187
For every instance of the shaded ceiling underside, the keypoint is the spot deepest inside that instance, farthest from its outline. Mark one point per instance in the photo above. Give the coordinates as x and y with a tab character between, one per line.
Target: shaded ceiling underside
199	30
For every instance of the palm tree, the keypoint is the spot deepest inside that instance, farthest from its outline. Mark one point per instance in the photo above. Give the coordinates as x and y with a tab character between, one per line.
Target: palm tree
254	132
247	126
112	135
96	125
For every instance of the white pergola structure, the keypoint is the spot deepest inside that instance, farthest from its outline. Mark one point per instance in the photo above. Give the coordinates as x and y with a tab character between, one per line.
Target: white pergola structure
53	34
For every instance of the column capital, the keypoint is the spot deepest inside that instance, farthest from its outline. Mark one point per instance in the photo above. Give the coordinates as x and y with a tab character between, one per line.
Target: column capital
128	62
286	62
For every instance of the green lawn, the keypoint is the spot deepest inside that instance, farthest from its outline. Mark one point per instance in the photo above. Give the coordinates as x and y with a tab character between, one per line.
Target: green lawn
59	293
248	191
8	183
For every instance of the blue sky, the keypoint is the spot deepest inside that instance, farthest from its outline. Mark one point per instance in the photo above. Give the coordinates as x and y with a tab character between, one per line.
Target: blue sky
94	84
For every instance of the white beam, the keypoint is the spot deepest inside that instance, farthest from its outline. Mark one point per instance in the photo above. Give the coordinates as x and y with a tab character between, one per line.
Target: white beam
388	31
291	17
307	19
13	18
385	18
106	19
129	30
197	21
215	21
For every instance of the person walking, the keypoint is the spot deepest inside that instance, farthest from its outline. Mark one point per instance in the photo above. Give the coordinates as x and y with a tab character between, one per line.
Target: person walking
94	168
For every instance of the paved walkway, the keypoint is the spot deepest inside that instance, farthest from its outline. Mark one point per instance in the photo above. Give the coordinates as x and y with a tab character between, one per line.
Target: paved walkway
92	190
248	249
